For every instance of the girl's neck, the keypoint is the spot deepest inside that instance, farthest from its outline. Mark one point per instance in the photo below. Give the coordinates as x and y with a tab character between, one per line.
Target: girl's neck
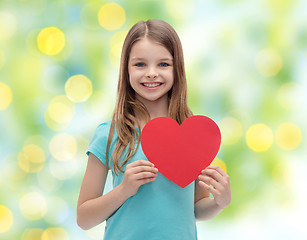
155	109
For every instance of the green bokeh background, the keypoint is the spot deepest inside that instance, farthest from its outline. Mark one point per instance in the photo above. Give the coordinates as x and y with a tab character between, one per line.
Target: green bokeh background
227	46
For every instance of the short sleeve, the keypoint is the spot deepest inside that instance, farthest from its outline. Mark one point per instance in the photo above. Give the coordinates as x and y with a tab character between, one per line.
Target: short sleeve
98	144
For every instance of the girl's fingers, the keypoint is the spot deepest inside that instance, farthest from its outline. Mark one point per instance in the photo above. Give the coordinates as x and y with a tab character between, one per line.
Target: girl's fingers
213	174
141	166
146	180
144	175
217	169
144	169
210	181
218	174
208	188
140	163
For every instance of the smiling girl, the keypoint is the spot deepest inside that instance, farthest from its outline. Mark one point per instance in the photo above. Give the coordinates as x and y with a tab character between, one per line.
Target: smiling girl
143	204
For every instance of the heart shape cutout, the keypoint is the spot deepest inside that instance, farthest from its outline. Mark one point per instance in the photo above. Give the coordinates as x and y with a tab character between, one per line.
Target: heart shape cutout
181	152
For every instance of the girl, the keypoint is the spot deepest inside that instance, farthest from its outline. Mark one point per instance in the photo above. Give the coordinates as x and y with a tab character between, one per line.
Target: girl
143	203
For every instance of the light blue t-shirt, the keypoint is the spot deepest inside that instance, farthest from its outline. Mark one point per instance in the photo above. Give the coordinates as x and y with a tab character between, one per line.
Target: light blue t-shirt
160	210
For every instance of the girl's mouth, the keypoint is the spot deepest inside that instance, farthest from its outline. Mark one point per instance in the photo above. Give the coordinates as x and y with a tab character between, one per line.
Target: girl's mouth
152	85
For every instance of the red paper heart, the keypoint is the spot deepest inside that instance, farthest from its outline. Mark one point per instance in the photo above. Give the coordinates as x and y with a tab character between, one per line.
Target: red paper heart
181	152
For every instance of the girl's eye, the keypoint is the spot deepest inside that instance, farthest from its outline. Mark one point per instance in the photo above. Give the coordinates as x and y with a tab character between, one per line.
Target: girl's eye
140	64
164	64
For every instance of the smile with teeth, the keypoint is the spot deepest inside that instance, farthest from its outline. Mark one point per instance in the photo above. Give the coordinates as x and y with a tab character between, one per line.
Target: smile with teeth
151	84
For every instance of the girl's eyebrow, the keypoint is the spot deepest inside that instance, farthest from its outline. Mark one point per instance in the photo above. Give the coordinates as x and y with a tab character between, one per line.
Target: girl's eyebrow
162	59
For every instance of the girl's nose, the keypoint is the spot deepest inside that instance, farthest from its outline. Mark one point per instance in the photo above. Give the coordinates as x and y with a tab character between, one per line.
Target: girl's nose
152	73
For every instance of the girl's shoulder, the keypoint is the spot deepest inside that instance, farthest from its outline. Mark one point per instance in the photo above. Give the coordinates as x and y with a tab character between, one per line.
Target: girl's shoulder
98	143
104	124
103	129
101	135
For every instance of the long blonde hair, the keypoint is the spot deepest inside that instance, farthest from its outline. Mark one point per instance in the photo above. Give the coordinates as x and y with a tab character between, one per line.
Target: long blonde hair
128	106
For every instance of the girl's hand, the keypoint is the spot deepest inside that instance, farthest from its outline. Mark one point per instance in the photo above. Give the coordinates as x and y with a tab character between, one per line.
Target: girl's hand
138	173
215	176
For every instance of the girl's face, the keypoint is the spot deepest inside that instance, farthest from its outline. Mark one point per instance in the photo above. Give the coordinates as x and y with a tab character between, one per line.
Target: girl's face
150	69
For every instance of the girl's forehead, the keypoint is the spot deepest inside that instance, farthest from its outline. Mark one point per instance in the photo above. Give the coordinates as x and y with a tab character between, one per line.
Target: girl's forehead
146	48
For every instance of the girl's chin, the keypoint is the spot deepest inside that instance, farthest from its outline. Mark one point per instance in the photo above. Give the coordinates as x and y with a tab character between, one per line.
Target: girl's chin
144	98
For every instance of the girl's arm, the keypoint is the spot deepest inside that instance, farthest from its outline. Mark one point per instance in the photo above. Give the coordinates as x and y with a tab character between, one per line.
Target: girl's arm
93	208
205	207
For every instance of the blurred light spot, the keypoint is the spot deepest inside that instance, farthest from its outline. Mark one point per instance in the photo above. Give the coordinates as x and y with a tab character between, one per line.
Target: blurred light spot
31	159
288	136
12	173
281	7
63	147
32	47
268	62
90	107
55	234
250	171
231	130
59	113
8	25
54	125
116	44
57	211
51	40
47	181
38	140
228	35
6	219
281	175
2	58
89	14
5	96
82	144
289	96
32	234
53	77
218	162
33	205
78	88
111	16
259	137
60	110
34	7
180	9
63	170
27	76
